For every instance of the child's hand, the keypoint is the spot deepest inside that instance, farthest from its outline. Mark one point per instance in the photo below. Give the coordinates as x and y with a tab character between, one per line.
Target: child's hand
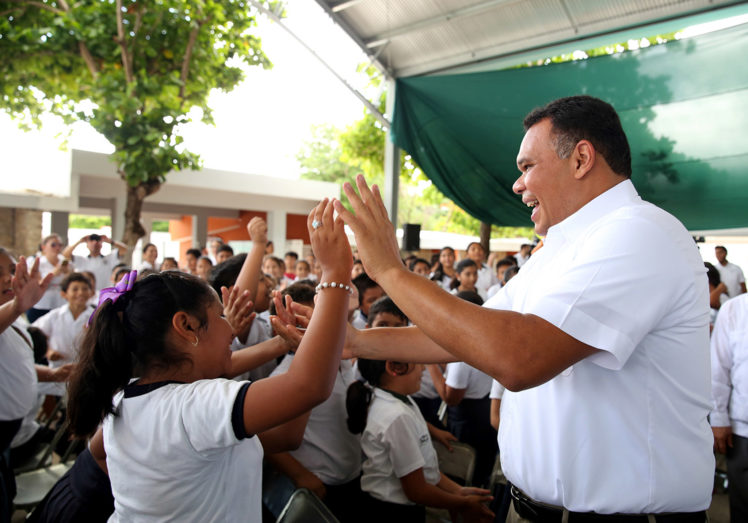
291	319
237	308
442	436
28	286
63	373
258	231
474	510
329	243
53	355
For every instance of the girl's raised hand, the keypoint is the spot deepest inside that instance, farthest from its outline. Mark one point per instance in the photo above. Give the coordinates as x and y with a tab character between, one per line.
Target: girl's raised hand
237	308
28	285
329	243
258	231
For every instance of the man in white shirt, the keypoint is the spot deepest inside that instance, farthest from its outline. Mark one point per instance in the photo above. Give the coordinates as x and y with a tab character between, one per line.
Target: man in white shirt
729	418
101	266
730	274
605	361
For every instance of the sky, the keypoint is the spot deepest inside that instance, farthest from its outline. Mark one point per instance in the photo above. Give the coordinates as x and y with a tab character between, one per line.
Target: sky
259	126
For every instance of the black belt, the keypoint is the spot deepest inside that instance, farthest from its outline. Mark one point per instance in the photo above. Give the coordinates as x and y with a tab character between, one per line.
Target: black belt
528	508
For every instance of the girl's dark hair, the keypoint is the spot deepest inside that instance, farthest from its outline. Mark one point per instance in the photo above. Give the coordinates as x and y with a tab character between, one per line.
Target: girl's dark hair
145	247
127	338
358	396
438	272
464	264
415	261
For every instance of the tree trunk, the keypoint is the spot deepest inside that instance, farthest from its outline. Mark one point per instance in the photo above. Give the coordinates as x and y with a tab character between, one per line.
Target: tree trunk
485	237
133	228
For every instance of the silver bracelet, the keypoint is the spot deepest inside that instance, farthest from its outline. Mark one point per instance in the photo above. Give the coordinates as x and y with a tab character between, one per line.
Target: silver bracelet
333	285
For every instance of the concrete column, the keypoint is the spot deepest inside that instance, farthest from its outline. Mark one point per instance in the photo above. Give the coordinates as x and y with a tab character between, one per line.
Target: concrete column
277	231
60	223
391	163
199	230
117	214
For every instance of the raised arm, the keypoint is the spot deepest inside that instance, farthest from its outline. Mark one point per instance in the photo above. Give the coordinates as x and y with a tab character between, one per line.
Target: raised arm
510	346
28	288
121	247
249	276
311	376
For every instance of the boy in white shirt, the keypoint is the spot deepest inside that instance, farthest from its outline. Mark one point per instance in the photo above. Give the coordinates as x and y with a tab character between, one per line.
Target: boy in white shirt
64	326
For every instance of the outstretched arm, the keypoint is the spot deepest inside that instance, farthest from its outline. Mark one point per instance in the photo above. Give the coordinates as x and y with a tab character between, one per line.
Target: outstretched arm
311	376
510	346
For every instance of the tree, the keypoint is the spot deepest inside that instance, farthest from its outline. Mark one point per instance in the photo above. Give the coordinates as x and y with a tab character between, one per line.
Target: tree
130	68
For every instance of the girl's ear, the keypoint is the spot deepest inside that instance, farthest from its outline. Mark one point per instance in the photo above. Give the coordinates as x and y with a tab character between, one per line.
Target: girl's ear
185	326
396	368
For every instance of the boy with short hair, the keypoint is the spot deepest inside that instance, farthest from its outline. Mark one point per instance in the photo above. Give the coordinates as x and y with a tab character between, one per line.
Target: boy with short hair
64	325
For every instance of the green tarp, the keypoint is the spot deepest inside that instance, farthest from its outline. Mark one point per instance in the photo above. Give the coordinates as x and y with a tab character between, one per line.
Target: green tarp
683	105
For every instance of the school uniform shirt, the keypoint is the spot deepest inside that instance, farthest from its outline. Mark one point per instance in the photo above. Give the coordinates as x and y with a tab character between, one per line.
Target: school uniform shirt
497	390
259	331
732	276
729	346
329	450
64	332
624	430
179	452
396	442
51	298
17	372
101	266
359	320
460	375
486	280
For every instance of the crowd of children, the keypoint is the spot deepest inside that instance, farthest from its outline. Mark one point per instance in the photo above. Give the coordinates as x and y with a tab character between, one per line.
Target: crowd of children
159	369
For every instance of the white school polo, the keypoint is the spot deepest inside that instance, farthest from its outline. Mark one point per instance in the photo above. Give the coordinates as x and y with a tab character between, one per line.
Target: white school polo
64	332
730	367
497	390
178	452
328	449
17	373
396	442
486	280
460	375
624	430
101	266
427	389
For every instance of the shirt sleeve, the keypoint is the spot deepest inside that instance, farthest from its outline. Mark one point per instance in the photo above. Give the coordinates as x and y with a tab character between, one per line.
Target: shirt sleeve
458	375
497	390
609	297
722	364
208	412
402	438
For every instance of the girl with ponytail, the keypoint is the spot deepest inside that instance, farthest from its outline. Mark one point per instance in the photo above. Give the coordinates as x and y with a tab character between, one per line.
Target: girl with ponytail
179	439
401	474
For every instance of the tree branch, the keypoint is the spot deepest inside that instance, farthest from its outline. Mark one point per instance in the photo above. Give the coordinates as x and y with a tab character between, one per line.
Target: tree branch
126	61
88	58
40	5
188	56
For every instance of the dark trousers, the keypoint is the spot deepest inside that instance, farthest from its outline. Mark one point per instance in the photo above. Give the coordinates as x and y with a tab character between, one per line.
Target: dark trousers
345	500
34	314
377	511
429	407
470	422
737	475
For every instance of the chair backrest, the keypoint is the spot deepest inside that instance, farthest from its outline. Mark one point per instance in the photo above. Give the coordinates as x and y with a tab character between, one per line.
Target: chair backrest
305	507
459	463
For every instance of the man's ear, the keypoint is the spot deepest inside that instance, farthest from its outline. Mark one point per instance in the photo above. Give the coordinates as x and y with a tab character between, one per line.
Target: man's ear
583	156
185	326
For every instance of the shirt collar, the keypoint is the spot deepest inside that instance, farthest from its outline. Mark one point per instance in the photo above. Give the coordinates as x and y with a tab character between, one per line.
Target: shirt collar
401	397
572	227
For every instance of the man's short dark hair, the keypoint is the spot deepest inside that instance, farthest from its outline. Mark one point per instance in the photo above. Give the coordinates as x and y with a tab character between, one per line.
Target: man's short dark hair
194	252
292	254
384	304
225	248
584	117
721	247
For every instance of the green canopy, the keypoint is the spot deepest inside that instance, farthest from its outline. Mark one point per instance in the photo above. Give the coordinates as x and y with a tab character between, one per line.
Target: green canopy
683	105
